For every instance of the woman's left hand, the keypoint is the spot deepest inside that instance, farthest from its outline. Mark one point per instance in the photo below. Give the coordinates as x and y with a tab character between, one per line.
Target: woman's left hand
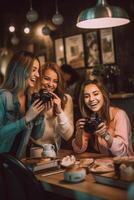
101	129
57	103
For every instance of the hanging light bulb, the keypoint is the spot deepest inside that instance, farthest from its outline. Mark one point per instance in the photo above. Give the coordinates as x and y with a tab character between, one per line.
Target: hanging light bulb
57	19
26	29
11	28
15	40
32	15
46	30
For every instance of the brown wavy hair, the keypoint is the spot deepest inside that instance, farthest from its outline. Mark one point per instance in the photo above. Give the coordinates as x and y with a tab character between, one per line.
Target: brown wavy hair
85	111
60	90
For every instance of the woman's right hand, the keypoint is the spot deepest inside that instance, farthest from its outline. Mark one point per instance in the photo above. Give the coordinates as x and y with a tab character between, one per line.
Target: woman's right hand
80	124
35	109
79	131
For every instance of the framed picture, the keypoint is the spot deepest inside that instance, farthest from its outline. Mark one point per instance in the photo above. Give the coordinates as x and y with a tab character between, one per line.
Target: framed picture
75	51
107	46
92	49
59	51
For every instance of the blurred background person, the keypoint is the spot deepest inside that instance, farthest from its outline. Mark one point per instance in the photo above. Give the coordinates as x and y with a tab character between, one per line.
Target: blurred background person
72	85
71	78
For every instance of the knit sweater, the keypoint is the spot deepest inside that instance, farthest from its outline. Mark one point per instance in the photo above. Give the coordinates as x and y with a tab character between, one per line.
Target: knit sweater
119	128
59	126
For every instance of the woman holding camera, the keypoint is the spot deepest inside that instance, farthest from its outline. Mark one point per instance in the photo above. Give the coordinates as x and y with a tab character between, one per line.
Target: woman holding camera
18	118
109	132
58	114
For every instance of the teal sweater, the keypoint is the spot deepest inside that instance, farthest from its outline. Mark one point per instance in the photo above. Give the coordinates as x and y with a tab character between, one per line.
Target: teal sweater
12	122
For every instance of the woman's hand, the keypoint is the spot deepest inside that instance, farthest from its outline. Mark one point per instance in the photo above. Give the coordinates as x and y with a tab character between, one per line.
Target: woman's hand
79	131
80	124
56	101
101	129
35	109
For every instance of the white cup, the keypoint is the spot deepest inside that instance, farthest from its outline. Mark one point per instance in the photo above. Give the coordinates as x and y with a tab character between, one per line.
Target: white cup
36	152
49	150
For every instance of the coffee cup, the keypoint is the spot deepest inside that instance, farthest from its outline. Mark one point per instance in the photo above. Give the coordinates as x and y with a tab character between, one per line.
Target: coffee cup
36	152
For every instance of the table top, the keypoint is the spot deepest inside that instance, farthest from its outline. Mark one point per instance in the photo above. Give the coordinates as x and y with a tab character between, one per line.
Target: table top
83	190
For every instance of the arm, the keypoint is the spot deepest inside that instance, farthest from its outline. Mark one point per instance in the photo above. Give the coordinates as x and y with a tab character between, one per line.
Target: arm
80	142
115	138
38	128
8	125
121	145
65	125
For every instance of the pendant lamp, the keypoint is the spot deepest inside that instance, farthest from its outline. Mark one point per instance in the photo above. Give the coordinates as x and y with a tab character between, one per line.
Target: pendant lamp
57	19
15	40
102	16
32	15
46	30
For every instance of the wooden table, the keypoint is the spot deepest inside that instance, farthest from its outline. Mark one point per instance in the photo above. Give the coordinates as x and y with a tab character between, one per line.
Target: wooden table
85	190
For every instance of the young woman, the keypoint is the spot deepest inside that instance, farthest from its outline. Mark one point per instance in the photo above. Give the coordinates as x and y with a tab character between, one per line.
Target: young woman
17	117
112	134
58	114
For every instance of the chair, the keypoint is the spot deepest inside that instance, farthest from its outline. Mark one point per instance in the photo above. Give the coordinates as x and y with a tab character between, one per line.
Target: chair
17	182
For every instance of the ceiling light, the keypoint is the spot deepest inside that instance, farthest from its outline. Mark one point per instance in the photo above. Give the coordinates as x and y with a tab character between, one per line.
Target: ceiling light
57	19
46	30
102	16
15	40
32	15
26	30
11	28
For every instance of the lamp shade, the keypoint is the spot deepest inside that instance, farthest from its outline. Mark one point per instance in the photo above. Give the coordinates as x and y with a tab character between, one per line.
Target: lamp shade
102	16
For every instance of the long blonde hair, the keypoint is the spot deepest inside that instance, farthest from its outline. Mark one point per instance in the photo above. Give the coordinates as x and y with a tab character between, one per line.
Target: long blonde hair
18	70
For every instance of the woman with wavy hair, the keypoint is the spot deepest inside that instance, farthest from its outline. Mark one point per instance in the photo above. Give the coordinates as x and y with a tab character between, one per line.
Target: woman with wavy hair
102	128
18	118
58	113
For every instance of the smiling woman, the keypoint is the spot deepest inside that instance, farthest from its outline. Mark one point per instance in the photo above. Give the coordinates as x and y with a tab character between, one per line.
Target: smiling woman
109	136
58	113
18	118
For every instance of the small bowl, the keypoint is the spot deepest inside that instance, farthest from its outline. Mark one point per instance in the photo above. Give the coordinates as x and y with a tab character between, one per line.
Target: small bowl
74	174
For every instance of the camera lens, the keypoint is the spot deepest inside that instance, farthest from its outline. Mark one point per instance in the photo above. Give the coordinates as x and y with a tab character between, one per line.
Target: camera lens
45	96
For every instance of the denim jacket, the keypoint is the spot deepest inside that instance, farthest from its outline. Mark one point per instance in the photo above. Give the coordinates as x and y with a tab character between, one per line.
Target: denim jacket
12	123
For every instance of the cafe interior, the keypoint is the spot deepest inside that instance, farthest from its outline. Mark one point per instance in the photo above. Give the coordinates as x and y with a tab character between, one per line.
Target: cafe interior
62	31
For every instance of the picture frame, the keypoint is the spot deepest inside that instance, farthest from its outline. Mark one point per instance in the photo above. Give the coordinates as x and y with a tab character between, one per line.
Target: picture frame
92	50
107	46
74	49
59	51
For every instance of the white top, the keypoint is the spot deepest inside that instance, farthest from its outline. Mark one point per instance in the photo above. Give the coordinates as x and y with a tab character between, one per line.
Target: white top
60	126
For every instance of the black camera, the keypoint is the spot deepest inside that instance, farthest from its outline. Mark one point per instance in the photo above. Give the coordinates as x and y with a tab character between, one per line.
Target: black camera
42	95
92	123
